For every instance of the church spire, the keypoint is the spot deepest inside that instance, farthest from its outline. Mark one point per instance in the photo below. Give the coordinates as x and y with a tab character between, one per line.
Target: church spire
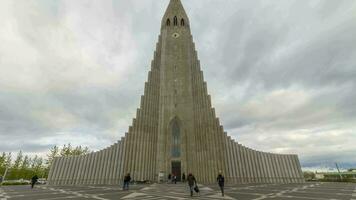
175	15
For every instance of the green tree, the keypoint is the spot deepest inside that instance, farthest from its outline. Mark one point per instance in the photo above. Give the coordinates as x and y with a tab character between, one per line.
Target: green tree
2	160
8	160
79	150
18	161
25	163
53	152
66	150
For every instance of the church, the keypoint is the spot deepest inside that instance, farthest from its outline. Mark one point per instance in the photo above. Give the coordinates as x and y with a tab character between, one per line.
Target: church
176	129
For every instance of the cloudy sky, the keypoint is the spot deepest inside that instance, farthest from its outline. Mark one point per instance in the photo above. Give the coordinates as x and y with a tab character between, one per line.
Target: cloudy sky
282	73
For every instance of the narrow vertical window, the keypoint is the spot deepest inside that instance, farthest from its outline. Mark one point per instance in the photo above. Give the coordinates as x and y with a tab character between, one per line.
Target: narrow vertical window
175	139
168	22
175	21
182	22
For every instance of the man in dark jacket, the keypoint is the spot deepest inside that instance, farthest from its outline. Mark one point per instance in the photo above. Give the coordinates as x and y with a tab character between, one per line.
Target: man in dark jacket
183	177
34	181
191	183
221	181
127	180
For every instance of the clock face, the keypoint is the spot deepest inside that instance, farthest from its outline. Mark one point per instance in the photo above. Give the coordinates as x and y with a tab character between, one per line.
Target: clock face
175	35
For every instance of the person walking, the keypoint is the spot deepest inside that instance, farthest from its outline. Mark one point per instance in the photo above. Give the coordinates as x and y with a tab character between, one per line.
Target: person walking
169	178
34	180
192	182
1	180
174	179
127	180
183	177
221	181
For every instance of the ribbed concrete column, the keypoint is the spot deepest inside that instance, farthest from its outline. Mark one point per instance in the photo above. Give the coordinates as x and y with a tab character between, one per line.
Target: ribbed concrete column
247	167
108	161
265	167
291	168
123	170
268	170
252	165
283	168
288	167
102	165
286	170
61	170
268	167
280	168
236	161
95	168
118	162
87	169
233	160
239	164
263	174
92	169
106	167
257	166
57	171
301	177
243	164
275	168
76	169
52	170
113	163
228	159
73	169
61	173
82	174
66	170
294	169
109	174
126	152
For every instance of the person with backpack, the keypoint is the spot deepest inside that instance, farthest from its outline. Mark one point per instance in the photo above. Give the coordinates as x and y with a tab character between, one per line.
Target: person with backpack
127	180
34	180
192	183
221	181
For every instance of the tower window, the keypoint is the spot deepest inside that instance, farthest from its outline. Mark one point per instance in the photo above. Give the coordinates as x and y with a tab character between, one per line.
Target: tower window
175	139
175	21
182	22
168	23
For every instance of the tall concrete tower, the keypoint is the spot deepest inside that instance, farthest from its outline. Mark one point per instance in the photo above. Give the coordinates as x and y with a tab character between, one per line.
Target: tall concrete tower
176	129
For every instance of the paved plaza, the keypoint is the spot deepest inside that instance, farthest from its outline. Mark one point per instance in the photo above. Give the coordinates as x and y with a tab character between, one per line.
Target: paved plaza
331	191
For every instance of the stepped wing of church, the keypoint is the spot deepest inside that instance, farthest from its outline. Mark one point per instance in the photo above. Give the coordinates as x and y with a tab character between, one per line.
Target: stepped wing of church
176	129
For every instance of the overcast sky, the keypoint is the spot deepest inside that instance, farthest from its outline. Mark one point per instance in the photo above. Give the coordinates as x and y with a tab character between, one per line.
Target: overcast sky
282	73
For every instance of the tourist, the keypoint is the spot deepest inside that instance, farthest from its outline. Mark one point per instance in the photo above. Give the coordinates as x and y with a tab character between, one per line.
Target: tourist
174	179
183	177
192	183
34	181
127	180
221	181
169	178
1	180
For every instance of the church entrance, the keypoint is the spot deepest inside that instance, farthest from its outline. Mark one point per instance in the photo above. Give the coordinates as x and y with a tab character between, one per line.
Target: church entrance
176	169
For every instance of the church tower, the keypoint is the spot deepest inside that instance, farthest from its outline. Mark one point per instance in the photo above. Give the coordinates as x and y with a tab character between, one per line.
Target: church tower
176	129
